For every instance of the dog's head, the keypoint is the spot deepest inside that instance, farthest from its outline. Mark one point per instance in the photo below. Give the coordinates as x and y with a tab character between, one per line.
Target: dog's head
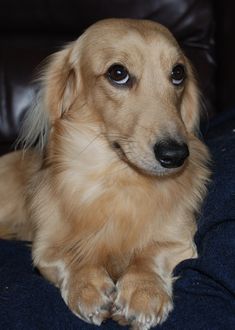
132	78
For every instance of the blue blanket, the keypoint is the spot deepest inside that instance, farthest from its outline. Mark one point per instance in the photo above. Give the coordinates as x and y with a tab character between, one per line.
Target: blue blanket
204	295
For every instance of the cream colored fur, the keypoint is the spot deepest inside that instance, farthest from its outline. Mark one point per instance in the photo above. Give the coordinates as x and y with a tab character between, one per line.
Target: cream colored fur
108	225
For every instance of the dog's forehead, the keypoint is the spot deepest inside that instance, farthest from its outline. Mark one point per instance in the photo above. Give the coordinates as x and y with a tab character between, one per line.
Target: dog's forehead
128	40
117	31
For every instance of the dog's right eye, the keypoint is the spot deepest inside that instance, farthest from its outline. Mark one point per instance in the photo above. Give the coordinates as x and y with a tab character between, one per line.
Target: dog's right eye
118	74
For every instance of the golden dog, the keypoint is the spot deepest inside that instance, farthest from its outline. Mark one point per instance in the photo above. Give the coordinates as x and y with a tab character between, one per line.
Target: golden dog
109	195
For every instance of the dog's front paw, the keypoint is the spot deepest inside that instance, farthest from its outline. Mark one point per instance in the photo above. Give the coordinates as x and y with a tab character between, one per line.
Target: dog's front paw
142	301
91	294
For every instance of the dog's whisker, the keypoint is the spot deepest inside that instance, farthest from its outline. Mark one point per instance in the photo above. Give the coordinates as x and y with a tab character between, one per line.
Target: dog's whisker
89	144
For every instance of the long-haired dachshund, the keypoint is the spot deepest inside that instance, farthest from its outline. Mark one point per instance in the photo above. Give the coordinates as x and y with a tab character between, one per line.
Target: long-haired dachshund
109	194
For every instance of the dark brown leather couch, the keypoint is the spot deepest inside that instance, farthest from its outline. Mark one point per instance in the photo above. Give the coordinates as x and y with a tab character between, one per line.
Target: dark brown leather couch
31	30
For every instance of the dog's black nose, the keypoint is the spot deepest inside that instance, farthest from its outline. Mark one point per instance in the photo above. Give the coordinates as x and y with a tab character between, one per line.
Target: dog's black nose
170	153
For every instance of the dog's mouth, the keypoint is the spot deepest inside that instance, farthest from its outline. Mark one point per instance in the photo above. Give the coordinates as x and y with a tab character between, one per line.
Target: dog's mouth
117	147
121	153
152	168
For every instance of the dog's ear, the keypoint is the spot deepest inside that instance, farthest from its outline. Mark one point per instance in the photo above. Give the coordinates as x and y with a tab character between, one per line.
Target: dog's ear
190	109
61	81
60	84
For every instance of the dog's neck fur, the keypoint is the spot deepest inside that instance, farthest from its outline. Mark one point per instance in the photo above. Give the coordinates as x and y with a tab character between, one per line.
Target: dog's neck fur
105	200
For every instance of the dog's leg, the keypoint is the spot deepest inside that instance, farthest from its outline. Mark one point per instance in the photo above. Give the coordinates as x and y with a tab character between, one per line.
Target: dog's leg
88	291
16	169
91	294
144	297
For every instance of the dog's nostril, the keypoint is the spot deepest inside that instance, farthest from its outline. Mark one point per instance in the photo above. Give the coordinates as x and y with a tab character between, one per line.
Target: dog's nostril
170	153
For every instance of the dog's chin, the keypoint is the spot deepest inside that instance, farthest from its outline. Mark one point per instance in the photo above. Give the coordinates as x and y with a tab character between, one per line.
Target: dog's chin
149	168
156	169
160	171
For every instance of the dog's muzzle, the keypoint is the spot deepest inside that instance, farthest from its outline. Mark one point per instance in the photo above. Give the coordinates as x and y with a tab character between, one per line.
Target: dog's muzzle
170	153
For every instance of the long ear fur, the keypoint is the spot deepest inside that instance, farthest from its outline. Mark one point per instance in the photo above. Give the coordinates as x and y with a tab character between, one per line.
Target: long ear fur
59	88
60	82
191	103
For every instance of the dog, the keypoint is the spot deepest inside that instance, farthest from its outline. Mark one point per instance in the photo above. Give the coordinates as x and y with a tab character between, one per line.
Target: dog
112	173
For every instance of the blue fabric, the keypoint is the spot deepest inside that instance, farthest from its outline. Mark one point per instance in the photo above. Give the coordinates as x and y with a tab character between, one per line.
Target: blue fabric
204	293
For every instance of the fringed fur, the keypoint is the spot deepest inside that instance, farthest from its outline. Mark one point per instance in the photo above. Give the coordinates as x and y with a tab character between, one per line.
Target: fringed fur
108	221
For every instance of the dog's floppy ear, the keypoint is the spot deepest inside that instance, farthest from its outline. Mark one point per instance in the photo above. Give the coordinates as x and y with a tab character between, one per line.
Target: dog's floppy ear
190	109
59	86
61	81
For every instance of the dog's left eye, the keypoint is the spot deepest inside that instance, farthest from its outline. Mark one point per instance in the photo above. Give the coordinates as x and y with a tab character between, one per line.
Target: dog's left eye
178	74
118	74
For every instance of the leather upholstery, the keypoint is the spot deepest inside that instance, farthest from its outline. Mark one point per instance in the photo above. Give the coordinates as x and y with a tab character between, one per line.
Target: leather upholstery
31	30
225	53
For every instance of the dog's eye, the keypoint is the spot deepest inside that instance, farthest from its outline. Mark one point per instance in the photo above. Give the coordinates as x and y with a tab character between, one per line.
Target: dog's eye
178	74
118	74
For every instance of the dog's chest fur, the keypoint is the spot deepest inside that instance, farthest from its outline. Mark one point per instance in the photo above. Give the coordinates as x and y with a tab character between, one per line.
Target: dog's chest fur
114	213
107	210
